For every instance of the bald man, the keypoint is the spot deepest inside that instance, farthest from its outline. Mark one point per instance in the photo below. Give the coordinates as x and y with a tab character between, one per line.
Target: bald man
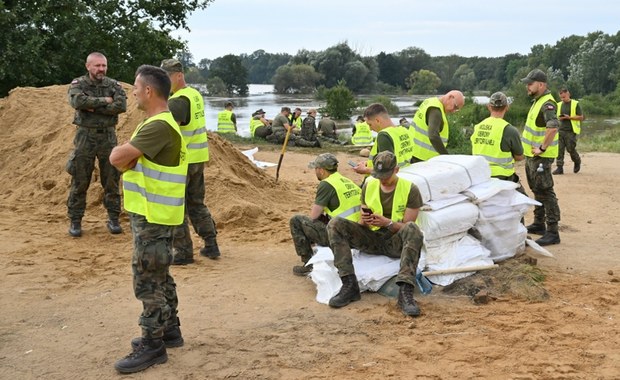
429	127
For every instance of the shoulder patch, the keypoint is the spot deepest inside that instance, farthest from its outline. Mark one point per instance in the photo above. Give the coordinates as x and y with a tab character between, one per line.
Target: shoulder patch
550	107
75	81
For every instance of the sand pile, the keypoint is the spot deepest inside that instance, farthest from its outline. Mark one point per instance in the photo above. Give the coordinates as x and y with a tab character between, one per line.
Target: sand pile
37	137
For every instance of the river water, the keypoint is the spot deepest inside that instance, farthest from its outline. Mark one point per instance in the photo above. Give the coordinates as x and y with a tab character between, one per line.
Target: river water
262	96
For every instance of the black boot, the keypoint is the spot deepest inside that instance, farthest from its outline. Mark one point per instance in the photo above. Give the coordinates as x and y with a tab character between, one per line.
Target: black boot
75	229
303	270
406	301
211	250
349	292
172	338
114	226
549	238
577	167
558	170
536	228
149	352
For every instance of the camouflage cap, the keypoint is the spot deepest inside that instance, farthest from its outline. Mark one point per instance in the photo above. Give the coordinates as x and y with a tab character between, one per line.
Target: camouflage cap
325	161
383	164
172	65
498	100
535	75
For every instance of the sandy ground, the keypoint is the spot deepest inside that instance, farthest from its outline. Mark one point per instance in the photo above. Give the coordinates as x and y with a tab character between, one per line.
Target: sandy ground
68	309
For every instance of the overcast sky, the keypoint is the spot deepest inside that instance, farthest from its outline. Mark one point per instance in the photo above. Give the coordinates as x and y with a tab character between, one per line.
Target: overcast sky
440	27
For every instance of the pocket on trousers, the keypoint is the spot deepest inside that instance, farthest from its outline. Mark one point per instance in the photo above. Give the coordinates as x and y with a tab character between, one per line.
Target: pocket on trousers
70	166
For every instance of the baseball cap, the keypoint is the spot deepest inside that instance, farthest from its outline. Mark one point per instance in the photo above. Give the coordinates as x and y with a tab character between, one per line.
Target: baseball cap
259	112
172	65
383	164
325	161
535	75
498	100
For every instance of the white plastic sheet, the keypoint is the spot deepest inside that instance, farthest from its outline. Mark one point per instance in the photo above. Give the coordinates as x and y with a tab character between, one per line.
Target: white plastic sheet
261	164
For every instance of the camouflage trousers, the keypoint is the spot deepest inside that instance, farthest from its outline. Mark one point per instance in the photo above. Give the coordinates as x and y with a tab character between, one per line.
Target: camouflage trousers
541	184
152	282
305	232
330	139
406	244
196	212
567	143
91	144
307	143
278	136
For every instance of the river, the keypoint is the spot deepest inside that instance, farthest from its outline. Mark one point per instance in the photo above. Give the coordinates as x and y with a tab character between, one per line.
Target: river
262	96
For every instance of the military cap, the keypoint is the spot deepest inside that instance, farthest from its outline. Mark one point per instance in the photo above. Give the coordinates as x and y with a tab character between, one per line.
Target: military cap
325	161
172	65
383	164
535	75
498	100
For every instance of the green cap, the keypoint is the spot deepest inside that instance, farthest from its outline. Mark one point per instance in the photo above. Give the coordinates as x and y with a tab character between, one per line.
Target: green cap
325	161
172	65
383	164
498	100
535	75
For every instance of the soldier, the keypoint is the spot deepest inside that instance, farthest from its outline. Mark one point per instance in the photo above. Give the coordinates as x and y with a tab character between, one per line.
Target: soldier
187	107
279	127
361	133
295	119
336	196
570	116
429	126
387	227
154	166
97	100
328	131
308	135
540	146
226	119
260	127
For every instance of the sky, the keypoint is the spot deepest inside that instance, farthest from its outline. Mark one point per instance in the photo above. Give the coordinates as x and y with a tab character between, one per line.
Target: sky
440	27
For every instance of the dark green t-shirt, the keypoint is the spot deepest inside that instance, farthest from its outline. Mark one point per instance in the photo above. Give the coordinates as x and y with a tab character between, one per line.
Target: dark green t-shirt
159	142
180	109
566	125
511	141
279	122
384	142
414	200
326	196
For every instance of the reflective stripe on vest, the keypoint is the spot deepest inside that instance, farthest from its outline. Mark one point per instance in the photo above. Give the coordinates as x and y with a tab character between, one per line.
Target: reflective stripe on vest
372	198
363	134
423	148
155	191
486	142
224	122
533	135
294	123
348	197
576	124
194	133
255	123
403	147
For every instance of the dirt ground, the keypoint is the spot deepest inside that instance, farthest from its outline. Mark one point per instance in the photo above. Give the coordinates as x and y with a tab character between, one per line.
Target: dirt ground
68	309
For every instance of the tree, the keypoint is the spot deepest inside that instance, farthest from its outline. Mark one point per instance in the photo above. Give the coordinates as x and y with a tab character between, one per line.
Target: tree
340	101
423	82
296	78
262	66
465	78
216	87
595	64
231	71
38	34
389	69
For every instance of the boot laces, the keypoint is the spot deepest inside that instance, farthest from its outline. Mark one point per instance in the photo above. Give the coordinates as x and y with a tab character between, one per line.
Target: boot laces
408	294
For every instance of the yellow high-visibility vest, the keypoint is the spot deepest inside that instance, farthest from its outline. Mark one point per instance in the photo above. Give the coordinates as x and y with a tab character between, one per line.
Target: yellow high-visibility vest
486	142
533	135
224	122
363	134
195	132
348	196
372	198
423	149
576	124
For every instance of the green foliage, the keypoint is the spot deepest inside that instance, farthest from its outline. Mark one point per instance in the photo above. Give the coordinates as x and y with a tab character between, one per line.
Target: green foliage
423	82
391	107
296	79
46	42
606	141
340	102
216	87
232	72
262	66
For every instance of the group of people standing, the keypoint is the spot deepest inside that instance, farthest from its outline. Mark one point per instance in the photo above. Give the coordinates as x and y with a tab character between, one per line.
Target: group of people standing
163	186
379	218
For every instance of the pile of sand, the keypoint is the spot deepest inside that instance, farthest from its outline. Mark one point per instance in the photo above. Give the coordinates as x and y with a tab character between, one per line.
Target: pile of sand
36	140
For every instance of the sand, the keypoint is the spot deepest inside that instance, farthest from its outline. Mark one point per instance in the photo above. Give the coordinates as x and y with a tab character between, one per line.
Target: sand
68	309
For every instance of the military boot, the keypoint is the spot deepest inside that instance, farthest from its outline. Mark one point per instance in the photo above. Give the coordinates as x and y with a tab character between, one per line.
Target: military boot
549	238
558	170
536	228
75	229
406	301
211	250
114	226
148	352
302	270
172	338
349	292
577	167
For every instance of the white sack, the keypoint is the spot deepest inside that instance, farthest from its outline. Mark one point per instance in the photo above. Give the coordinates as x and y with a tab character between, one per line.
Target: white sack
443	203
503	235
485	190
260	164
447	221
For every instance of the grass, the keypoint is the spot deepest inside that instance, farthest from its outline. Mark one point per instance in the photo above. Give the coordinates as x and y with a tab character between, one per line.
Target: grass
606	141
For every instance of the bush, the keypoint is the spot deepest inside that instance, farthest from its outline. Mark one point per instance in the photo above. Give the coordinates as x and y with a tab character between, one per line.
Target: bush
382	99
340	102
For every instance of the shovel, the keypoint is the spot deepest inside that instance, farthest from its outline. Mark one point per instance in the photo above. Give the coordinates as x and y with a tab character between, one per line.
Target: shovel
288	133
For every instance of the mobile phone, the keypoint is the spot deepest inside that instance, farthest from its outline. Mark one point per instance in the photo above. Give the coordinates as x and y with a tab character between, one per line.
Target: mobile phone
352	163
366	210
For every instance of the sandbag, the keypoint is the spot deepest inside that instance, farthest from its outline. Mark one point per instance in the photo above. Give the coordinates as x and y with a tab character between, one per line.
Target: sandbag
447	221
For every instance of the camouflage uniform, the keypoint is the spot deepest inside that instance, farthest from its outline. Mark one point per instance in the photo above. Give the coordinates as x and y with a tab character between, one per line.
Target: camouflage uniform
406	244
305	232
198	214
152	283
95	138
541	184
328	130
308	137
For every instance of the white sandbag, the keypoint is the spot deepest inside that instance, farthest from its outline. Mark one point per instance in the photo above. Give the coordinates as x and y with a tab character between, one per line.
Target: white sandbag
447	221
260	164
444	240
505	201
503	234
485	190
443	203
465	252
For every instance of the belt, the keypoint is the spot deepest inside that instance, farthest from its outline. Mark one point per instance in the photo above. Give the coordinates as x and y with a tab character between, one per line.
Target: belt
97	129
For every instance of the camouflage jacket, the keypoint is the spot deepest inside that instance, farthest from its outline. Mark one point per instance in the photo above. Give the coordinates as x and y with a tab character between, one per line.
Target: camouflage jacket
88	99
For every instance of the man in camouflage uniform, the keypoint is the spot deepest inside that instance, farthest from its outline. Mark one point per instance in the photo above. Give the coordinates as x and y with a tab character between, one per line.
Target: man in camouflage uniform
570	118
279	127
387	227
308	136
97	100
187	107
328	131
540	147
336	197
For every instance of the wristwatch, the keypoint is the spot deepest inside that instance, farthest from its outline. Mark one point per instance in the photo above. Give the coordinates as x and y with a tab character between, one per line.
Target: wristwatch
541	148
